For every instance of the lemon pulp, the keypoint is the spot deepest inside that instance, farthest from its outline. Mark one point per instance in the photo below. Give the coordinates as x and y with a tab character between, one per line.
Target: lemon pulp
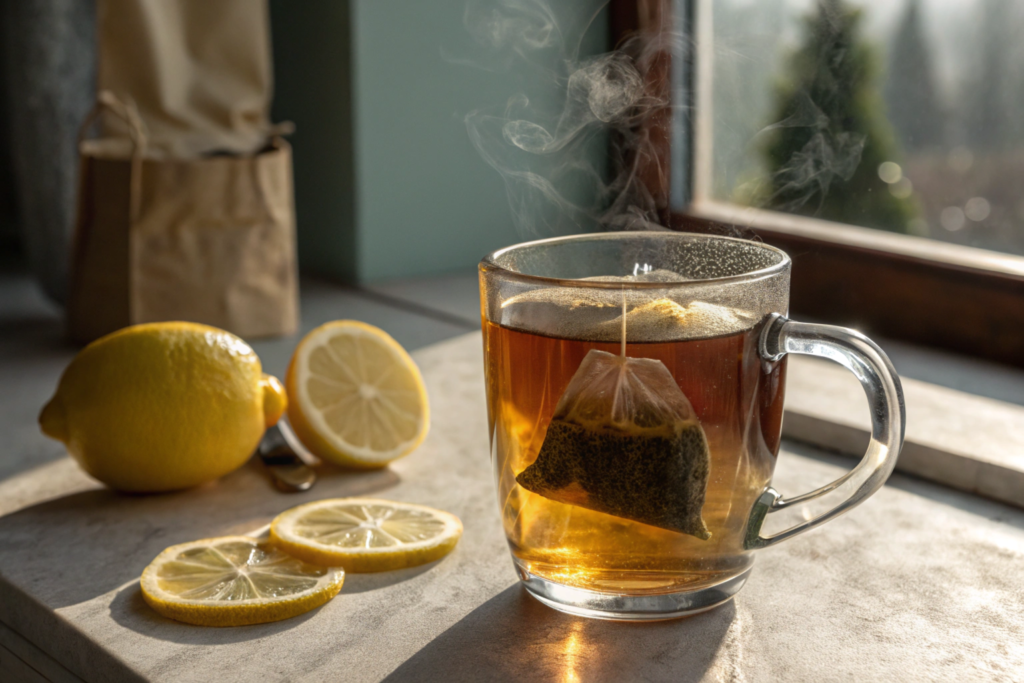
366	534
357	398
233	581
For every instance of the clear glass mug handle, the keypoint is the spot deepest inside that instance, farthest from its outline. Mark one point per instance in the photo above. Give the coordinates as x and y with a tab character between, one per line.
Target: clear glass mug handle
872	367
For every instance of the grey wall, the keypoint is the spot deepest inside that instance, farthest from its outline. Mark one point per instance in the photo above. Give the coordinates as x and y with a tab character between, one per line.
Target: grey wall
8	226
49	80
387	182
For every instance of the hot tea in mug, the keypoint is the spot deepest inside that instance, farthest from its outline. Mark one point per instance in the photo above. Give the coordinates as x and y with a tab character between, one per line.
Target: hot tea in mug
635	386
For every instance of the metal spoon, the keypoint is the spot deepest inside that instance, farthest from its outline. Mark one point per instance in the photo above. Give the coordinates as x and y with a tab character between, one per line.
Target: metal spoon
288	470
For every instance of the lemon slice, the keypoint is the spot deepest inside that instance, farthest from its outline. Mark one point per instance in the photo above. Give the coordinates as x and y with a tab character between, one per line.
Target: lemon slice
234	581
358	398
366	534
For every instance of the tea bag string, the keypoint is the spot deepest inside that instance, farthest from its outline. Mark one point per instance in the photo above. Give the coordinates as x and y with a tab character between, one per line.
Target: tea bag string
620	375
623	350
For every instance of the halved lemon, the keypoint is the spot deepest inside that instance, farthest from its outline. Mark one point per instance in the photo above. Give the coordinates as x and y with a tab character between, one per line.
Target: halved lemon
358	399
235	581
366	534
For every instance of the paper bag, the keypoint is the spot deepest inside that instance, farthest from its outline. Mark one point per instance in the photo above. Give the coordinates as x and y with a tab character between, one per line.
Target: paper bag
198	71
208	240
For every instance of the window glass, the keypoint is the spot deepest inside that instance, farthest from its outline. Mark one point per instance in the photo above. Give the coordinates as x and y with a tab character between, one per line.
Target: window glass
899	115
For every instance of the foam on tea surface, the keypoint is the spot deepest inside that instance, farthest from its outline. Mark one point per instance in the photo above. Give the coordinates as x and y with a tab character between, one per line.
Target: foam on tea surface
666	319
624	440
596	314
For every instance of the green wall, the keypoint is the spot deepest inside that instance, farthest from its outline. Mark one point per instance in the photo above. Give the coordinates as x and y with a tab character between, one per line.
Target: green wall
387	182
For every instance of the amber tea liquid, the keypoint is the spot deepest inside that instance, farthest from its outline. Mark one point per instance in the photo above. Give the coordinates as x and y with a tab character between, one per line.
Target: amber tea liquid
739	403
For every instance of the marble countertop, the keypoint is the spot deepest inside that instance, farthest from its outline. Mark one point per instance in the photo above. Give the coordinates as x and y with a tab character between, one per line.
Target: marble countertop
919	583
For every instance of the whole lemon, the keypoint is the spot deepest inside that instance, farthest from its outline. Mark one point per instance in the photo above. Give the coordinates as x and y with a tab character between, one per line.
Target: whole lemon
163	406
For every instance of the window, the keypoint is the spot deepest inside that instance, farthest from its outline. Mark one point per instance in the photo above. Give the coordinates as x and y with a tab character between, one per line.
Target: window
878	142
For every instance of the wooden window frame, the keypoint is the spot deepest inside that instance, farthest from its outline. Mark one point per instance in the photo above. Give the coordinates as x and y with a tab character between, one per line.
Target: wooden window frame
923	291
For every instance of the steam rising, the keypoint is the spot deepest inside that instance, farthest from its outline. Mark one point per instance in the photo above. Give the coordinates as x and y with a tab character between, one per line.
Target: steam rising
555	163
586	162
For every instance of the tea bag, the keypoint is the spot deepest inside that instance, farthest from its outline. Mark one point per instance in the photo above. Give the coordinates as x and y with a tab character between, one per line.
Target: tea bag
624	440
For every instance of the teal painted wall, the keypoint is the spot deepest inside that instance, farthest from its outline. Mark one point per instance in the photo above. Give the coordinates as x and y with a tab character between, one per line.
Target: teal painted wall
427	202
388	184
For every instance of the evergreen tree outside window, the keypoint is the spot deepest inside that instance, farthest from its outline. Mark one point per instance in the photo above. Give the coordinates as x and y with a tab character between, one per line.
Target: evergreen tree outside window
933	88
775	147
911	96
831	139
989	108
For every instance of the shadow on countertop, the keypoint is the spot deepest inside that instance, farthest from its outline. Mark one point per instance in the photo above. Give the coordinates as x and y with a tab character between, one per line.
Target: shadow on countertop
77	547
129	609
512	637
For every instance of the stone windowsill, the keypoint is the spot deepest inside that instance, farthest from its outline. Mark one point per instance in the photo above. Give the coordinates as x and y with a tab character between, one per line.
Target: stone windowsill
960	440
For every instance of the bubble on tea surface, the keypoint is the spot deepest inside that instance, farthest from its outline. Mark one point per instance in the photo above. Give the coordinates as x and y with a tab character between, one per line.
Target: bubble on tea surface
625	441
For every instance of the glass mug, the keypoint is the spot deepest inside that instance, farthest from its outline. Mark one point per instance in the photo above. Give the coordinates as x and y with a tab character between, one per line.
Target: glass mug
635	386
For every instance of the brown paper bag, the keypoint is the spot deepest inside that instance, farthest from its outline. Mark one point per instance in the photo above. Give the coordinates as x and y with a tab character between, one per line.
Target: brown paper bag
198	71
209	240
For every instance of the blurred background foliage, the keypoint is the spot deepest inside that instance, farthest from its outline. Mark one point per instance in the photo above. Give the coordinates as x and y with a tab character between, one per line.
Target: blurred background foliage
936	86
